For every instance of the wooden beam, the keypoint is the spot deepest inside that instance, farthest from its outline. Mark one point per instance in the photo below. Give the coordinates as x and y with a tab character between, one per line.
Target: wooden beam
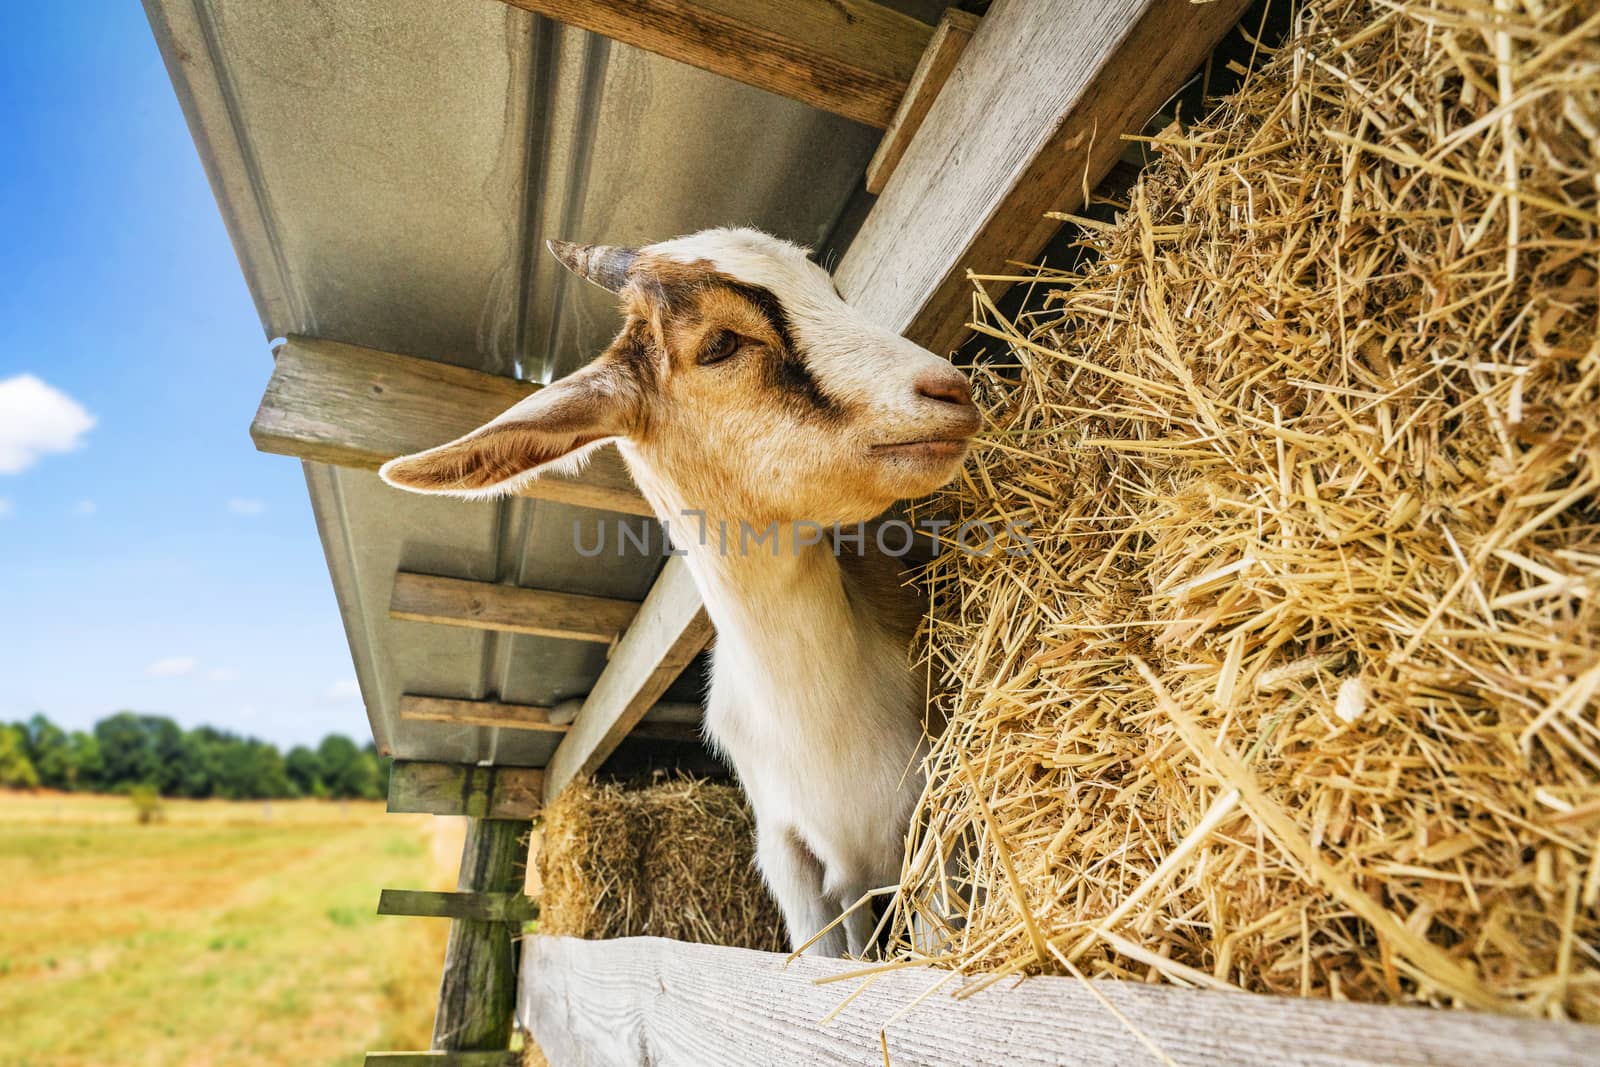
850	57
358	407
508	608
949	40
670	629
478	996
1031	117
511	907
478	713
465	789
649	1000
444	1059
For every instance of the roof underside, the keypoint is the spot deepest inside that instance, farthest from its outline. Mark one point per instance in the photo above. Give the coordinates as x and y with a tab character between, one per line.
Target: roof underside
389	171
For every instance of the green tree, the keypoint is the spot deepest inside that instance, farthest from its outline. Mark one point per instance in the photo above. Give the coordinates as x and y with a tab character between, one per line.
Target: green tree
253	770
385	766
50	750
201	768
127	751
16	769
91	769
305	772
343	770
142	749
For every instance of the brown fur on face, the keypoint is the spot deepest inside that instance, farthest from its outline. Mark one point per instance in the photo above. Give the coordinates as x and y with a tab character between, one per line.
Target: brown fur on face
751	393
706	426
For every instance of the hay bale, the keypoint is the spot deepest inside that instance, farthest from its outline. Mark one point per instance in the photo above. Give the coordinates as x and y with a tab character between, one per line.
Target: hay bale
1298	692
672	859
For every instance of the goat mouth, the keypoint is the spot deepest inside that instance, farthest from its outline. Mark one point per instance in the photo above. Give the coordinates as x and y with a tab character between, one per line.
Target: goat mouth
924	448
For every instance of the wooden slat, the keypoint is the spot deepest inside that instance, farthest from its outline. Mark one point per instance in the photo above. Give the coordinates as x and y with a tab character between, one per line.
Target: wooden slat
670	629
478	995
508	608
949	40
1031	116
444	1059
465	789
358	407
851	57
649	1000
478	713
512	907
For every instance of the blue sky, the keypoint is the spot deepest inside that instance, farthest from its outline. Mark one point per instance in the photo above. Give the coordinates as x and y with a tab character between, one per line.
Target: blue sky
152	560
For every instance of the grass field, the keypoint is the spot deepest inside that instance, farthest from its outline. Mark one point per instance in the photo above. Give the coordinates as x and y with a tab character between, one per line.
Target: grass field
231	935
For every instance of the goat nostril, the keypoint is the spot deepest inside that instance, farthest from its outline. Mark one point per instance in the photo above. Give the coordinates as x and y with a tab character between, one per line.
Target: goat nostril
947	389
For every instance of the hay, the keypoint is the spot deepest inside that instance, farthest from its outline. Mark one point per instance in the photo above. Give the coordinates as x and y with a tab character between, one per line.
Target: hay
1298	692
673	859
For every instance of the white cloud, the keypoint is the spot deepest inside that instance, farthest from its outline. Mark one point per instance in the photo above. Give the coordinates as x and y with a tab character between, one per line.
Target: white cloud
5	507
85	507
173	667
344	689
222	674
240	505
35	419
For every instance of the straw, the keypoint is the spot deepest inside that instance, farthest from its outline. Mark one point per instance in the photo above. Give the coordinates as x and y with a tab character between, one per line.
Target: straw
1299	689
670	859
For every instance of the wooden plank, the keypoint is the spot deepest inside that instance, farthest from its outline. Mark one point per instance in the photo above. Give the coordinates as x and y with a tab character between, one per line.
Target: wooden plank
438	1058
477	997
466	789
508	608
850	57
478	713
949	40
670	629
513	907
358	407
1032	115
649	1000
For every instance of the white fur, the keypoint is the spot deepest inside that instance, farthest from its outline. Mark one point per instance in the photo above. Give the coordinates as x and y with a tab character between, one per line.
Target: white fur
813	703
812	698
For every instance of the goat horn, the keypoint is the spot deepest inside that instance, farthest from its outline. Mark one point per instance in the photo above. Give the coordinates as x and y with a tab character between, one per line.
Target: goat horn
604	265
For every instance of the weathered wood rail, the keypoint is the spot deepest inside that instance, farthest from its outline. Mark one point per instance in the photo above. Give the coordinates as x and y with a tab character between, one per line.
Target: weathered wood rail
351	406
508	608
423	788
508	907
852	57
444	1059
666	1003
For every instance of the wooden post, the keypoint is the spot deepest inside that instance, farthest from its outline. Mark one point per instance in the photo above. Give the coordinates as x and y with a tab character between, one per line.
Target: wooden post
479	990
669	630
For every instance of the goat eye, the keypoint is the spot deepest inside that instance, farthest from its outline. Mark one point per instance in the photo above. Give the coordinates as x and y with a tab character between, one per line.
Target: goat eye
718	347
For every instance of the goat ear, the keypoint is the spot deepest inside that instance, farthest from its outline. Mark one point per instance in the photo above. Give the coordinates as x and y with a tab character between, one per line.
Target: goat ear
604	265
552	429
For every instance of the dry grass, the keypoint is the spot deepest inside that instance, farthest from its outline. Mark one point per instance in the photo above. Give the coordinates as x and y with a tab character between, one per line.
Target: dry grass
240	934
674	859
1298	693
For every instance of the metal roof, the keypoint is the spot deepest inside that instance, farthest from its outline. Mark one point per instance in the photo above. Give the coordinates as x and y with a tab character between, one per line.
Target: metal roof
389	170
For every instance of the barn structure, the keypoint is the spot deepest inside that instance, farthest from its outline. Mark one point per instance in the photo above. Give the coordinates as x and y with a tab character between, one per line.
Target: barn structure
389	170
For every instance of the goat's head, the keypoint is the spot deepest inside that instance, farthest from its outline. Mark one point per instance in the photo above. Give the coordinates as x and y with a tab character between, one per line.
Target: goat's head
743	385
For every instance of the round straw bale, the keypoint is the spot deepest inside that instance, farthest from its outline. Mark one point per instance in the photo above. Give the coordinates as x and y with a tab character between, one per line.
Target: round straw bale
670	859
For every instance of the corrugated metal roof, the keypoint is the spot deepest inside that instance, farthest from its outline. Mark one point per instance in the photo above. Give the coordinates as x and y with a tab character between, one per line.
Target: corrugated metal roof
389	170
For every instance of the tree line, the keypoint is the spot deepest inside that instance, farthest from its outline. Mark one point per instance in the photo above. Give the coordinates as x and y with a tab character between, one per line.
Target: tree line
127	751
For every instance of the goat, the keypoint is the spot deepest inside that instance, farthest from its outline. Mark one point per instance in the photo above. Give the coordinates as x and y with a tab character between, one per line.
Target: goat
744	391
